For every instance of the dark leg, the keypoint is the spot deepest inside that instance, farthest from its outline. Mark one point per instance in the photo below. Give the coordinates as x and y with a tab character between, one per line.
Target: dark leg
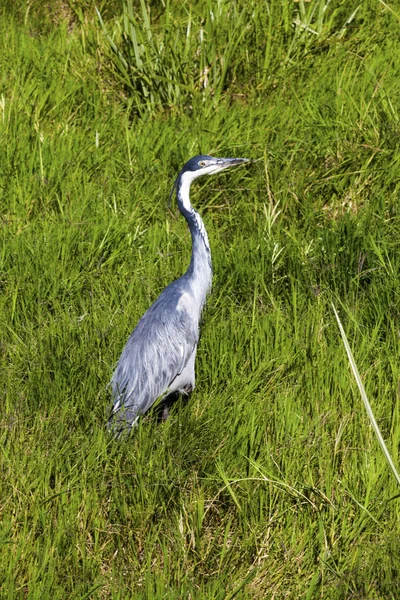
165	405
169	400
165	413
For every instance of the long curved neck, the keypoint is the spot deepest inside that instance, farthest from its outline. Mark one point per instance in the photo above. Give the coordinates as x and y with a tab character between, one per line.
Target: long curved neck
200	268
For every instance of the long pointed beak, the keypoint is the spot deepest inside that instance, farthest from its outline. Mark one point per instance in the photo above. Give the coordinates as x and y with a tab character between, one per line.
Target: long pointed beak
232	162
225	163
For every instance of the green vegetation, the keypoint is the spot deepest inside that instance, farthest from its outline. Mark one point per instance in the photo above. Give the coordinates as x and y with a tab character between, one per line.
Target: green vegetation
269	481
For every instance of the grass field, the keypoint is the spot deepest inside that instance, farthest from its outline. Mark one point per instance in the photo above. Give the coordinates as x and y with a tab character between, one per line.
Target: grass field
269	481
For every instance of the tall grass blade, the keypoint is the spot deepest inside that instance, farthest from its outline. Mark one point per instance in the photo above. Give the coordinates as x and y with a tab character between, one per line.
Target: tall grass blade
364	396
390	9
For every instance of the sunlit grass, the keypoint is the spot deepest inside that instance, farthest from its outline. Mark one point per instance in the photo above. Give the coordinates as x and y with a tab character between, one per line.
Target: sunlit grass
268	481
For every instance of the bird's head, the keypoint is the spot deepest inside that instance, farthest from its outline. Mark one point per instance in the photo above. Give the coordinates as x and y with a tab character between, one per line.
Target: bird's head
208	165
203	164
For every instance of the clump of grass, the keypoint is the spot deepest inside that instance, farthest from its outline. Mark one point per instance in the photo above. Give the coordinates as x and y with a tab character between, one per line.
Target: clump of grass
183	53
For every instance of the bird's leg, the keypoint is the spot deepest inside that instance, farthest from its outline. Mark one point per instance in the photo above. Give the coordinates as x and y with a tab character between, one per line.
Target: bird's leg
170	399
165	405
165	413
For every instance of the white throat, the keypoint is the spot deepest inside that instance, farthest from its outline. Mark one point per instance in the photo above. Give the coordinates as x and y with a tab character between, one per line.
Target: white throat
200	265
186	181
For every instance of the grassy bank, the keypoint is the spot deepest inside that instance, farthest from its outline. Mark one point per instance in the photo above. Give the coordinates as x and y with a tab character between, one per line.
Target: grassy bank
268	482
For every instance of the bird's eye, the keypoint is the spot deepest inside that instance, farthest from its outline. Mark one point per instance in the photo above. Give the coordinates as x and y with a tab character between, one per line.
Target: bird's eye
202	163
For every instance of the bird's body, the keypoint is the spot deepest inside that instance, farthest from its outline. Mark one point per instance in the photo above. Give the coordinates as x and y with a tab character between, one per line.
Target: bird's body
159	356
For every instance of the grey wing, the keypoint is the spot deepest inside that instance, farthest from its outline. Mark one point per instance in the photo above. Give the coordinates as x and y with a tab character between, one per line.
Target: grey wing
156	353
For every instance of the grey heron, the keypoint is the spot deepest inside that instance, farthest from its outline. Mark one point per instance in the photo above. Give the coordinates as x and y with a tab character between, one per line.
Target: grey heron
158	358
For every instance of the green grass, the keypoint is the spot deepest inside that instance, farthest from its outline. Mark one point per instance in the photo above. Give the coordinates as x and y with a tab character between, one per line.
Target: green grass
269	481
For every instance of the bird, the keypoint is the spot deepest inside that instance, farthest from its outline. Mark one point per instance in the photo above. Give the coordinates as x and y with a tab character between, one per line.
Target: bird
158	360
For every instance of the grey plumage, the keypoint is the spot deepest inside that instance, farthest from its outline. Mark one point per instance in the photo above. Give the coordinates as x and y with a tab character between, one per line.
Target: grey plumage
159	356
